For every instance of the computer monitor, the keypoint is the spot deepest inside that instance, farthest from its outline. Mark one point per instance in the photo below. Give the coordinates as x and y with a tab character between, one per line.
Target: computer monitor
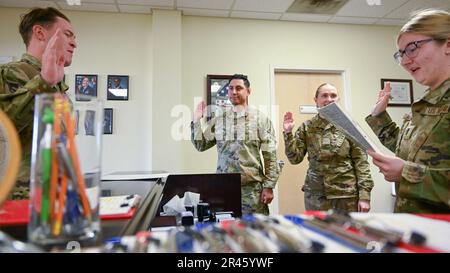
222	191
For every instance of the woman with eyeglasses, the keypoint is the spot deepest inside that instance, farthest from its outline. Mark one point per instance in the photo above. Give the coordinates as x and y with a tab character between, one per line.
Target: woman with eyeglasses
421	167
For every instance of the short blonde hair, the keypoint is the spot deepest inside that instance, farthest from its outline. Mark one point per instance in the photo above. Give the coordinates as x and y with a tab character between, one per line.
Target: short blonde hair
429	22
322	85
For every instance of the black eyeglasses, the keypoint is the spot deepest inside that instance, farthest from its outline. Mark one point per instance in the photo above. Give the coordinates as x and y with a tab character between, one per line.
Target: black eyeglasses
410	50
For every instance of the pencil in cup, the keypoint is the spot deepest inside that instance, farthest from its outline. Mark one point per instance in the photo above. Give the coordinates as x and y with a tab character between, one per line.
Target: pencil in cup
70	123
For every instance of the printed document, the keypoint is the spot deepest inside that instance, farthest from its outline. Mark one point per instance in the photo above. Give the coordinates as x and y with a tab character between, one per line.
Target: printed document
342	120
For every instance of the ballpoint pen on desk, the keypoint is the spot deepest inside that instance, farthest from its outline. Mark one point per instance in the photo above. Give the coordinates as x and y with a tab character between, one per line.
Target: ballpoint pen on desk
55	167
265	234
46	152
66	171
250	239
386	235
72	215
61	204
218	237
349	240
76	164
289	236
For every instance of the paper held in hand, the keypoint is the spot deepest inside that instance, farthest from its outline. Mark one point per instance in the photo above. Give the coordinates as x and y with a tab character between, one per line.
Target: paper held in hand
342	120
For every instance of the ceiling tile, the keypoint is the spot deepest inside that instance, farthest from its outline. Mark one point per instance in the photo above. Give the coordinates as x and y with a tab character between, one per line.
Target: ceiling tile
205	4
361	8
390	12
262	5
352	20
135	9
317	6
158	3
26	3
413	5
256	15
390	22
205	12
303	17
93	1
90	7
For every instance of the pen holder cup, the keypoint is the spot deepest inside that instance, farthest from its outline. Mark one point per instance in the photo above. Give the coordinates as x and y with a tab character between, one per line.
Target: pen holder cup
65	171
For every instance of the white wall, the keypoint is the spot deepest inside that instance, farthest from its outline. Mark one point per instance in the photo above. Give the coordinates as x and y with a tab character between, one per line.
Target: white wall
167	88
125	44
108	44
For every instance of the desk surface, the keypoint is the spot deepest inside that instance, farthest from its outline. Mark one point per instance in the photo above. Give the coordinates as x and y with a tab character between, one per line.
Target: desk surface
134	175
254	239
109	228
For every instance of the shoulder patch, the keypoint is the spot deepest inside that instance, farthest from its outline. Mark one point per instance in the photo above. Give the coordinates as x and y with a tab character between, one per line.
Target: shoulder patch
434	111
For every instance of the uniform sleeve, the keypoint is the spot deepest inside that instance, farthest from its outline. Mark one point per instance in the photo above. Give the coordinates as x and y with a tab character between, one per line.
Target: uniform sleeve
203	140
17	92
362	172
423	182
295	146
269	153
385	129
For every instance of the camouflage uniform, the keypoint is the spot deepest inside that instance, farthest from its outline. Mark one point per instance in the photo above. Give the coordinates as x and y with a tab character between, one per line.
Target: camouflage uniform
423	142
338	175
240	137
19	83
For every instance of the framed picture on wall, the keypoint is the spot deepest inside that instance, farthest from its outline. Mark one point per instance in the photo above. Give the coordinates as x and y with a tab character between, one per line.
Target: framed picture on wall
118	86
401	92
89	120
108	121
77	119
217	93
85	87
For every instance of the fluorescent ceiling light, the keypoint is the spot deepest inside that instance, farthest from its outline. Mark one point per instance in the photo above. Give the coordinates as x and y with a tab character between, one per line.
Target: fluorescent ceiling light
74	2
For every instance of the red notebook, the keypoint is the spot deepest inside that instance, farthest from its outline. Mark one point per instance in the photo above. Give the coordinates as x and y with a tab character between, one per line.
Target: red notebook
16	212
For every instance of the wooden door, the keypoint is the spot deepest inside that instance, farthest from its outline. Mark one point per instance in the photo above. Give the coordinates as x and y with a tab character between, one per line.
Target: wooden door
291	91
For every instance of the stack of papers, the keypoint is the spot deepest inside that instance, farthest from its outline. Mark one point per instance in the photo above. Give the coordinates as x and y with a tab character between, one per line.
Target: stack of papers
121	204
342	120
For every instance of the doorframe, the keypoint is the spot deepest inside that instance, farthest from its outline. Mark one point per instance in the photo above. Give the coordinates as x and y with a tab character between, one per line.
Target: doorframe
273	69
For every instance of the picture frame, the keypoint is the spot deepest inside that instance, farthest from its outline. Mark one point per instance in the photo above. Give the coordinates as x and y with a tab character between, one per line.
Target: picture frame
77	120
117	87
85	86
108	121
217	93
89	120
401	92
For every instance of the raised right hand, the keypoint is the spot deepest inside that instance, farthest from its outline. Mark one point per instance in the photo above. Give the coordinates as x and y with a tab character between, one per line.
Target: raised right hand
383	99
198	114
288	122
53	59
